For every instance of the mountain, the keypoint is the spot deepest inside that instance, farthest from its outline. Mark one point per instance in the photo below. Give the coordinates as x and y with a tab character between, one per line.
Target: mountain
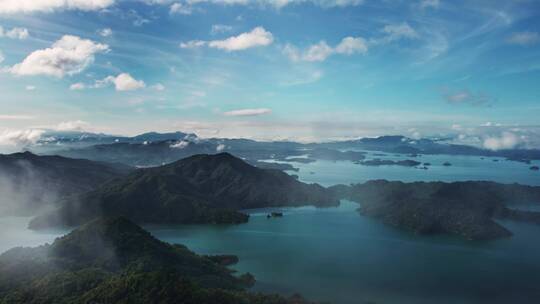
112	260
197	189
404	145
462	208
28	181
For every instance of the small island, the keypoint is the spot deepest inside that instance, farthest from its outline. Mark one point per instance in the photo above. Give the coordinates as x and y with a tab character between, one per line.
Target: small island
274	215
386	162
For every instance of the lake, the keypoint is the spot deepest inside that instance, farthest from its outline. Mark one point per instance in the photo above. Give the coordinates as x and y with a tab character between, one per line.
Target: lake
336	255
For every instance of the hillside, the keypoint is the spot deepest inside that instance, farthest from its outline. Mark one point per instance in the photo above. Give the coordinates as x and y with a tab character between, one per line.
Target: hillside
112	260
468	209
197	189
28	182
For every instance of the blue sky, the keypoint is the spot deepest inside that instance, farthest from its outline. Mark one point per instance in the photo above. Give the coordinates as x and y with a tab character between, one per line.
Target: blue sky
286	69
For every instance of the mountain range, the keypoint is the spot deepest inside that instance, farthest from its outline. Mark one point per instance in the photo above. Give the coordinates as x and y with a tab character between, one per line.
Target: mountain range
153	149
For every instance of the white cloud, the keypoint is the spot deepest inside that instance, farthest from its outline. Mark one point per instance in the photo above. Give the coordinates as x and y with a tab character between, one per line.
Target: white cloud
68	56
30	88
193	44
318	52
179	8
15	33
32	6
321	51
106	32
506	140
20	137
352	45
399	31
220	148
75	125
2	58
256	37
220	28
524	38
77	86
180	145
248	112
122	82
158	87
429	4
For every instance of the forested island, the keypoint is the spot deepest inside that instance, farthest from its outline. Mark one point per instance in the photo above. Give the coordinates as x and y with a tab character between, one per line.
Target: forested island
112	260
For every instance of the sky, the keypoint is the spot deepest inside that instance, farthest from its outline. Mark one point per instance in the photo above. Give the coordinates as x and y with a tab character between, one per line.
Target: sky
306	70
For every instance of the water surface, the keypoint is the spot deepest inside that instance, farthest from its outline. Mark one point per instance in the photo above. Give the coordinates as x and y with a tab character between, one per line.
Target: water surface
335	254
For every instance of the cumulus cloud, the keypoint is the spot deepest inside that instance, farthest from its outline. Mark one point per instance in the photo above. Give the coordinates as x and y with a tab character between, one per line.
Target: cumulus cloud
179	8
506	140
47	6
467	97
15	33
524	38
124	82
68	56
321	51
20	137
180	145
2	58
30	88
106	32
248	112
255	38
75	125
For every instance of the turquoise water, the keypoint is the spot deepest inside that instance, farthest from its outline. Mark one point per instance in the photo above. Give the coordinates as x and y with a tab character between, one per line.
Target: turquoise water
337	255
329	173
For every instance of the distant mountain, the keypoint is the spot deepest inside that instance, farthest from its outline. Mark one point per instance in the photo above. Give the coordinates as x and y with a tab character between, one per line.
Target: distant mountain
197	189
462	208
52	141
405	145
154	149
29	182
112	260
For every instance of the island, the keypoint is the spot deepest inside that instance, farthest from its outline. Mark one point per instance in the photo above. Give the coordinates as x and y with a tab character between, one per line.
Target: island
199	189
112	260
387	162
468	209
